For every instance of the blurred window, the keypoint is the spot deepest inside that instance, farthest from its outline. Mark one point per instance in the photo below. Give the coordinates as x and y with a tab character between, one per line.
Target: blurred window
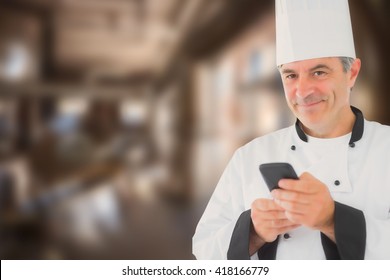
255	65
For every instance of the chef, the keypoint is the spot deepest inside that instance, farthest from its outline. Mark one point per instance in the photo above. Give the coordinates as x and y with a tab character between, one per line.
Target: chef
339	208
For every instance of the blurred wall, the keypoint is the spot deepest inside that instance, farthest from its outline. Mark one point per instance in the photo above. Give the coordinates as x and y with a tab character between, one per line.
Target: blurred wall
118	117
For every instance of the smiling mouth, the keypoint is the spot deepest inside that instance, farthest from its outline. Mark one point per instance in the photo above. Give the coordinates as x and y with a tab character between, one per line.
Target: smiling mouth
310	101
310	104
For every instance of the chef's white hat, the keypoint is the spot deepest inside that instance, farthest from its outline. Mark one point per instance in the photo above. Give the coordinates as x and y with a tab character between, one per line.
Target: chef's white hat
307	29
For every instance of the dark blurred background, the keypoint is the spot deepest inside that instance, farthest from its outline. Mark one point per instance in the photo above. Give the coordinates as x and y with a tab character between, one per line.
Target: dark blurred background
117	117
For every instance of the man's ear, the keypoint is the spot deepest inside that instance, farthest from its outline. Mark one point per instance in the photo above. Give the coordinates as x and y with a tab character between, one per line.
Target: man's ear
354	72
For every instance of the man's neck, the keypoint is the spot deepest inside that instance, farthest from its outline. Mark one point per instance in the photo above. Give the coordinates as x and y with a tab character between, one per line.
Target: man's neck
339	127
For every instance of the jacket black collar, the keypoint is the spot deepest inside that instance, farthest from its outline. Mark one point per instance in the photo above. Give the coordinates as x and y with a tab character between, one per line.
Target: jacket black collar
357	130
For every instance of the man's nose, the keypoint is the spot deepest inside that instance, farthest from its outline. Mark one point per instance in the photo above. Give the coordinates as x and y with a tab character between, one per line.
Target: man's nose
303	87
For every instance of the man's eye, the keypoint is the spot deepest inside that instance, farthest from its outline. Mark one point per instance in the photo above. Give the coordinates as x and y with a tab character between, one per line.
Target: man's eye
319	73
291	76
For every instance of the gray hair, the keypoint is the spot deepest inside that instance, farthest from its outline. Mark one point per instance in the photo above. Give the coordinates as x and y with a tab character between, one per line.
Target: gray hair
346	62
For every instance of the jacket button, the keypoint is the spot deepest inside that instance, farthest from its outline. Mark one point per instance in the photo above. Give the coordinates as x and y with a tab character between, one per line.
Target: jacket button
293	147
352	145
337	182
286	236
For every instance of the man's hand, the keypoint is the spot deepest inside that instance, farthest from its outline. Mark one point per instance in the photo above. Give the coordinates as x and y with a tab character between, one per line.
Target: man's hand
307	201
269	220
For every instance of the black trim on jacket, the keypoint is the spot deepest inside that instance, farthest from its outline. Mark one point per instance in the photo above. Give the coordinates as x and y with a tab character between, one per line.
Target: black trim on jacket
350	232
357	130
239	243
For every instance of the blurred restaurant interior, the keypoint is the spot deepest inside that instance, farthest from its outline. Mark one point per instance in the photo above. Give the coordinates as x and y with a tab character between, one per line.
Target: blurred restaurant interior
117	117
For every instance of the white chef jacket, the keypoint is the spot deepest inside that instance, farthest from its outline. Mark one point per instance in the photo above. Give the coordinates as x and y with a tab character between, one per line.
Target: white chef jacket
355	168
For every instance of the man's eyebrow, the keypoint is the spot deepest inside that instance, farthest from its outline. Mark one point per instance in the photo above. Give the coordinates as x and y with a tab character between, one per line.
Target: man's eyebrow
288	71
319	66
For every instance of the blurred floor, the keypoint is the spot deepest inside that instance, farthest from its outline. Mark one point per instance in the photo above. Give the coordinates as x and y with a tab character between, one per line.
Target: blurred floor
102	224
149	231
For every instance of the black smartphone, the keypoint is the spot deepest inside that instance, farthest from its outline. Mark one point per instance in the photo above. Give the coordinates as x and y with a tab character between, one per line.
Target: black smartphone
273	172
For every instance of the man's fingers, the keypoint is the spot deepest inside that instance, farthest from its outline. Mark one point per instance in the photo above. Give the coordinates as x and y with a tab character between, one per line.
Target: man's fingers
292	196
269	215
295	185
280	224
292	206
269	219
304	184
263	204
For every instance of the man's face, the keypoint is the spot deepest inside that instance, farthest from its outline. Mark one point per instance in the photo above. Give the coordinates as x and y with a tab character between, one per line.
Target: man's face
317	91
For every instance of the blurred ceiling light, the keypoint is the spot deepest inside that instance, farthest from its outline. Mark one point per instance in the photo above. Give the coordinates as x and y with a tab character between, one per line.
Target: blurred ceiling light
16	60
73	106
133	112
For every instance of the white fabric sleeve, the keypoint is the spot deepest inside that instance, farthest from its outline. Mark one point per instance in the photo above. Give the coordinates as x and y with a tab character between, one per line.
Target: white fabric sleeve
213	233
